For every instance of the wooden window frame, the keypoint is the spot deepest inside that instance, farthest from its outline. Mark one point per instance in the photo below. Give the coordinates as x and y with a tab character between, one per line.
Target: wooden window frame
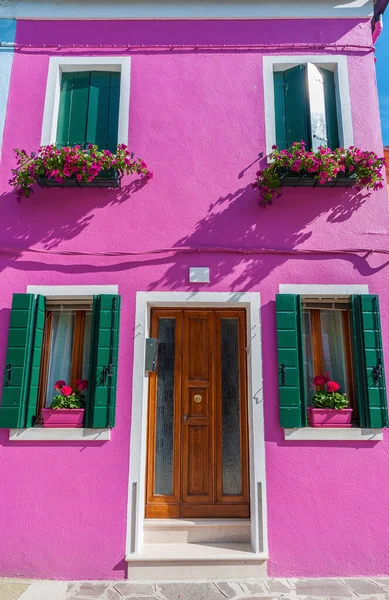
317	350
77	354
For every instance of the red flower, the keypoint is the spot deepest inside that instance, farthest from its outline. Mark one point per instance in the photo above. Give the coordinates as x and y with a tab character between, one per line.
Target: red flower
59	384
332	386
66	390
321	380
81	384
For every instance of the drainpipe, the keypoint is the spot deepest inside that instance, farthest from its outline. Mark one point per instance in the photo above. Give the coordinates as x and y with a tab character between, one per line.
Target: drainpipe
377	22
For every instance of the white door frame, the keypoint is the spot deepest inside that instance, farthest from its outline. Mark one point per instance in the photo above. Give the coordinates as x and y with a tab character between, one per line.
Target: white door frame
145	301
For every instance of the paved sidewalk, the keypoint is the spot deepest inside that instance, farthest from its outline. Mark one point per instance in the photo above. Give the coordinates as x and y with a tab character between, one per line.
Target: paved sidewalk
264	589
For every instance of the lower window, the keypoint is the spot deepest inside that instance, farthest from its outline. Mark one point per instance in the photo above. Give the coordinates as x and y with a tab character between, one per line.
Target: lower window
330	357
326	330
66	348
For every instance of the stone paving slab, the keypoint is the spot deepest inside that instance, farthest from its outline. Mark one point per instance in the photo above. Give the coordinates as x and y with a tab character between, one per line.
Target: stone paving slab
376	588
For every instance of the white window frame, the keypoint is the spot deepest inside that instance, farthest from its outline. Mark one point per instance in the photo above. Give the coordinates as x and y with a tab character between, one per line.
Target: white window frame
81	434
69	64
328	434
145	301
337	64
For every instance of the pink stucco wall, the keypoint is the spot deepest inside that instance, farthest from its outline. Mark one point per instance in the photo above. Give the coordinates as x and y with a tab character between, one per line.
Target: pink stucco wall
197	118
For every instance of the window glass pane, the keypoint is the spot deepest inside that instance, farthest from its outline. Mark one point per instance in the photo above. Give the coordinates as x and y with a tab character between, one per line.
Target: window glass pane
231	450
165	408
61	349
334	347
86	346
308	356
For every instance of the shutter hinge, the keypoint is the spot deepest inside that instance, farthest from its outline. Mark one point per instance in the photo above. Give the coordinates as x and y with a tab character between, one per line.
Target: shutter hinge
247	350
283	374
377	372
8	373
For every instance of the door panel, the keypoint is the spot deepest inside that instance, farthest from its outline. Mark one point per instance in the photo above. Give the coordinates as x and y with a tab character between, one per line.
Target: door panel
231	408
164	423
197	437
197	423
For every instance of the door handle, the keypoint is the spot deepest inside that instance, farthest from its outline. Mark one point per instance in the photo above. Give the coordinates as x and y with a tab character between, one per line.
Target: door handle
186	417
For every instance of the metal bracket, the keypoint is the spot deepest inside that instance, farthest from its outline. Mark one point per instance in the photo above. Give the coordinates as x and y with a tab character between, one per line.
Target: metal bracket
377	372
8	373
283	374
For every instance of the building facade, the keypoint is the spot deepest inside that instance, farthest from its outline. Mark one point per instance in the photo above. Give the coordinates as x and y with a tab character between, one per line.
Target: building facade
213	447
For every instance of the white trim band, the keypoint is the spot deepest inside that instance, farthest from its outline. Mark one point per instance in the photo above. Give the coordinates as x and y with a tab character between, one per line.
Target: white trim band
48	434
172	9
75	291
322	290
333	434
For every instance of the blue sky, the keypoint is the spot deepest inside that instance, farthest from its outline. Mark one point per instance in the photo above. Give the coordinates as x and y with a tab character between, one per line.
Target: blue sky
382	65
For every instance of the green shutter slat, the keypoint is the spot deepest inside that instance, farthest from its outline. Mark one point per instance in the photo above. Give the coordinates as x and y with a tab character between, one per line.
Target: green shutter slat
296	105
280	110
290	374
331	112
101	406
20	352
113	118
37	342
65	103
368	356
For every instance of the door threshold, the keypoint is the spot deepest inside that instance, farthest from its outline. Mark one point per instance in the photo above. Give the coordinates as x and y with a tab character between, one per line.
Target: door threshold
185	522
158	562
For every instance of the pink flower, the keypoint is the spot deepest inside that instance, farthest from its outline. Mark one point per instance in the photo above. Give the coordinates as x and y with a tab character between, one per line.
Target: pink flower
321	380
78	177
332	386
66	390
59	384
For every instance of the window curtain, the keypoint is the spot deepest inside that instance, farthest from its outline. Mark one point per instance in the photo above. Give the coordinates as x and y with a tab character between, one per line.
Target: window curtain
62	335
334	347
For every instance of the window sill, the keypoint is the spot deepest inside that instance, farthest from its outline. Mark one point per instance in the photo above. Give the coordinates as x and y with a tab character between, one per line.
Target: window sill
47	434
336	434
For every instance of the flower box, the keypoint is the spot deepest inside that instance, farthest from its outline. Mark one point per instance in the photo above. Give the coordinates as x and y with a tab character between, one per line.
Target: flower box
105	179
63	417
292	179
330	417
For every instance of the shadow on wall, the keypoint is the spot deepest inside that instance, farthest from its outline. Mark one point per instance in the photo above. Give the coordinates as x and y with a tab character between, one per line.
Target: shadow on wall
234	221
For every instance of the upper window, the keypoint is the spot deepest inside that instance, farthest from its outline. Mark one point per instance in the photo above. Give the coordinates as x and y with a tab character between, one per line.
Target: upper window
307	97
87	101
305	107
89	109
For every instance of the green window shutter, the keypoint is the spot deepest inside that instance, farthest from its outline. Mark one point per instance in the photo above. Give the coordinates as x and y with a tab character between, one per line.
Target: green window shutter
296	112
330	104
89	109
290	369
369	361
73	109
101	402
103	109
23	357
280	111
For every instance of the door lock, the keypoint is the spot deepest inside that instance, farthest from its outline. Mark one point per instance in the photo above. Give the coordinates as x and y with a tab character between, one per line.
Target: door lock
186	417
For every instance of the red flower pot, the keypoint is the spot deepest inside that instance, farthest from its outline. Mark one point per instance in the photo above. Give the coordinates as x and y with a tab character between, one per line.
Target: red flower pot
330	417
63	417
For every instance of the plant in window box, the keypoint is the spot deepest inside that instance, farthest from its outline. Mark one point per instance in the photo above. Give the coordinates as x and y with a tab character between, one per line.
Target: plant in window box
330	407
298	167
67	408
74	166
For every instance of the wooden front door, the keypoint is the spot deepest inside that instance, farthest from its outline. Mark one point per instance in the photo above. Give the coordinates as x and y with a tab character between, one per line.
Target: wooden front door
197	463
